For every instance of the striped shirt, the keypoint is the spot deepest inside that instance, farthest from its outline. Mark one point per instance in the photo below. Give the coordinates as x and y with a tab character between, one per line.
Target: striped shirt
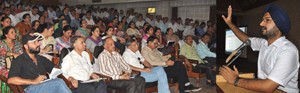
111	64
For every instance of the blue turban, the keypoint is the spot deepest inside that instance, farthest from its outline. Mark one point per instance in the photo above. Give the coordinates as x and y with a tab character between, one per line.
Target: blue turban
280	18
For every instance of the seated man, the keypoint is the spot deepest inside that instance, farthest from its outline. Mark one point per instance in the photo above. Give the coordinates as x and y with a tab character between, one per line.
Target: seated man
173	69
188	52
111	63
77	67
204	51
27	69
133	57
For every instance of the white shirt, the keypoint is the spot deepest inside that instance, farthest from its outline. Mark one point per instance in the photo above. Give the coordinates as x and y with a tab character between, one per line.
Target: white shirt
52	14
90	21
79	67
14	21
139	23
278	62
189	30
173	26
132	58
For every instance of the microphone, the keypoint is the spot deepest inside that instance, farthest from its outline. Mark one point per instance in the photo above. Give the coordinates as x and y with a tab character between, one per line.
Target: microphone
239	49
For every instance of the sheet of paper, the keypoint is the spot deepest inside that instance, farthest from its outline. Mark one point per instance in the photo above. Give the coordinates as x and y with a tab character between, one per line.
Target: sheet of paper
53	75
93	80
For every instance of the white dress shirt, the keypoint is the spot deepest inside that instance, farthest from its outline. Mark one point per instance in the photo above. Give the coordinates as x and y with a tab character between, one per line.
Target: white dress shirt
76	66
131	58
278	62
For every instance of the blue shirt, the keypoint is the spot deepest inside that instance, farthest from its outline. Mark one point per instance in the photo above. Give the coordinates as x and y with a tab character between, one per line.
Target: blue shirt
203	50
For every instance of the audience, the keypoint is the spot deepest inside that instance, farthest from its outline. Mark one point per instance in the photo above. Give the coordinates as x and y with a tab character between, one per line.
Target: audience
48	44
149	32
77	67
134	58
9	46
83	30
111	63
189	54
173	69
64	40
203	50
93	40
24	27
28	69
106	24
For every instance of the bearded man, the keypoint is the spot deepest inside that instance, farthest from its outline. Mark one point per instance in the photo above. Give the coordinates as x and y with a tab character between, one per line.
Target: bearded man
278	57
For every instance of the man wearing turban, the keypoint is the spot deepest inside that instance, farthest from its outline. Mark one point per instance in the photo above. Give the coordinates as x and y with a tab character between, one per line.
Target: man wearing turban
278	57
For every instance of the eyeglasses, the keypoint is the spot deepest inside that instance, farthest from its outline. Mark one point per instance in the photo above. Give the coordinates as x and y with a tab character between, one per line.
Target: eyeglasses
267	20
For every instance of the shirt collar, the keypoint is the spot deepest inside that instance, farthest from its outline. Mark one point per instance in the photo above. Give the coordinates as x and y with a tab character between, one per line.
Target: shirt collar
277	42
113	53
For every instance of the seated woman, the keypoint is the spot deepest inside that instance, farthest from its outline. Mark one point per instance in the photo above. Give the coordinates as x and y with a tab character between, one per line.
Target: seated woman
59	28
119	41
64	40
5	22
170	36
83	30
9	46
35	24
158	34
94	40
76	67
132	30
48	43
143	30
149	32
24	27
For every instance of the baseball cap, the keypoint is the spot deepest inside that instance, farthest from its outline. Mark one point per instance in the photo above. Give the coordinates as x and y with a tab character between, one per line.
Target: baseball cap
31	37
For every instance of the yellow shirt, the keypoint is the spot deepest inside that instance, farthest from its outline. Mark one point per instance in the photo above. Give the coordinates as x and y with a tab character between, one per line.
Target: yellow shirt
190	52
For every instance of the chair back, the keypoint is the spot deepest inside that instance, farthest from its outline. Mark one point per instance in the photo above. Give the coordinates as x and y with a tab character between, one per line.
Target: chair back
63	53
12	88
97	51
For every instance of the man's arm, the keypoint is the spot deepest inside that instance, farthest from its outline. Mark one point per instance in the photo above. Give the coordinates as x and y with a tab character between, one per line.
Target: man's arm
241	35
262	85
21	81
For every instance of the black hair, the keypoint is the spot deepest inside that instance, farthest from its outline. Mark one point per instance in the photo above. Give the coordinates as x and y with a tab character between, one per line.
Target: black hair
93	29
33	23
156	29
151	39
67	28
5	31
148	28
35	7
24	16
168	30
130	40
42	28
3	18
74	39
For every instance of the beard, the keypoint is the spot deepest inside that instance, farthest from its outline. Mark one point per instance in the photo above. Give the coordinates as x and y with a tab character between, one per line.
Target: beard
270	33
34	51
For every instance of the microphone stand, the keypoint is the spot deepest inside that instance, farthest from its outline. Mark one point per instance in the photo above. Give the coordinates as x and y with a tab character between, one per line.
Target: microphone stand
238	54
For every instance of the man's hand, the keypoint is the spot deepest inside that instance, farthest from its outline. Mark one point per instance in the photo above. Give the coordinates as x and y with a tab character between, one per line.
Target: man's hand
39	79
228	18
228	74
94	76
146	70
73	81
125	76
170	62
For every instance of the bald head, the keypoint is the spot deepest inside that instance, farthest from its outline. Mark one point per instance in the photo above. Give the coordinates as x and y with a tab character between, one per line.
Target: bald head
109	44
